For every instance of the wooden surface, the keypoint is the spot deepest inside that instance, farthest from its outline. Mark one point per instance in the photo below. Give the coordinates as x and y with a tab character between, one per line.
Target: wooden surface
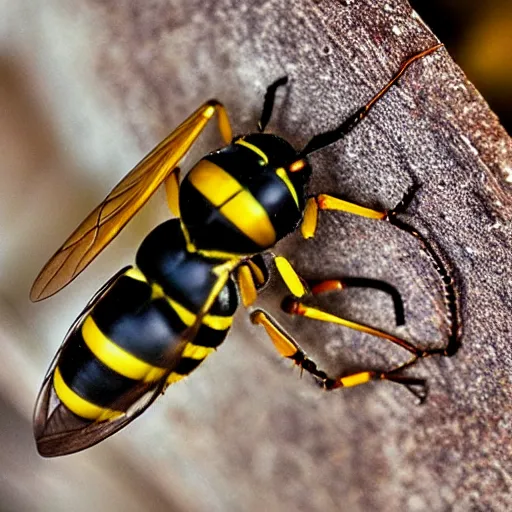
88	88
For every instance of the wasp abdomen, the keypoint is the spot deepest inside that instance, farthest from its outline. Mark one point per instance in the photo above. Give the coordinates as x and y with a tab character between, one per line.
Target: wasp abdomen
134	330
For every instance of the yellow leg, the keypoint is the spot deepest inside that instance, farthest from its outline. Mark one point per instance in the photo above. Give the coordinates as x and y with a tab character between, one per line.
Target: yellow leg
252	275
172	189
289	348
246	285
295	284
326	202
298	288
295	307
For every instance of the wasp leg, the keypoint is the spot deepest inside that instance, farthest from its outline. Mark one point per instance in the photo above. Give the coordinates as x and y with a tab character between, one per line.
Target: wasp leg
299	288
295	284
363	282
268	104
172	190
293	306
325	139
246	285
326	202
251	276
450	297
289	348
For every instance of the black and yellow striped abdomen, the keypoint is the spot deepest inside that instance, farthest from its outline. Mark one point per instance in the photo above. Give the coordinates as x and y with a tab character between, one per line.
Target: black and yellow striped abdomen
130	333
241	199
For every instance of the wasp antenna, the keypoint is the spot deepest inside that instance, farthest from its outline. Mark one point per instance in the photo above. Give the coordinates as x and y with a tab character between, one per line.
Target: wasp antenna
327	138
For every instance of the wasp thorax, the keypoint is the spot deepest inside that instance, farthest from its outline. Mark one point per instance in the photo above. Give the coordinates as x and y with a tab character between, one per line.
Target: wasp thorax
243	198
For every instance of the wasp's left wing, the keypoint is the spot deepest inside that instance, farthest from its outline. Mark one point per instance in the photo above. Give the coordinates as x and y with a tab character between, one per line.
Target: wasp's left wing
123	202
58	431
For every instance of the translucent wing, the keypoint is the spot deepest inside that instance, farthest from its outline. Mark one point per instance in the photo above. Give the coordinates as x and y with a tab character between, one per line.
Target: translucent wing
125	200
59	432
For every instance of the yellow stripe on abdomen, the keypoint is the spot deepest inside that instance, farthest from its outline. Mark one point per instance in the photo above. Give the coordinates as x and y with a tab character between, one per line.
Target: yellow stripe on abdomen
216	322
196	351
115	357
79	405
174	377
192	351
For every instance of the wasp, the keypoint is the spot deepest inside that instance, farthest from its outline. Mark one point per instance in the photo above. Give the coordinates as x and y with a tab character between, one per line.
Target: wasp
153	323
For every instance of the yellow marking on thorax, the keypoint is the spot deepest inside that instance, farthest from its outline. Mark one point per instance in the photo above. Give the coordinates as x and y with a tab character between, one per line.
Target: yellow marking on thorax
282	174
115	357
79	405
247	214
254	148
238	205
213	182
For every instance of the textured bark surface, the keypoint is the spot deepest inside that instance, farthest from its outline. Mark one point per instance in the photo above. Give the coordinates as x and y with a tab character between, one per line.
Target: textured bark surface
244	433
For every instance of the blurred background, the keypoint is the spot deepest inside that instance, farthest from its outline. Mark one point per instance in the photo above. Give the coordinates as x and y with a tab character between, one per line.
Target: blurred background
47	124
478	35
